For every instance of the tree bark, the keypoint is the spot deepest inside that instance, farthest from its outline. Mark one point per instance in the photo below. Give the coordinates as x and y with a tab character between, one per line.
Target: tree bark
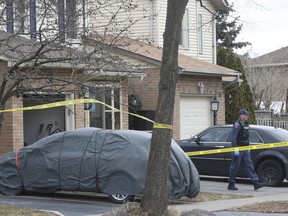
155	198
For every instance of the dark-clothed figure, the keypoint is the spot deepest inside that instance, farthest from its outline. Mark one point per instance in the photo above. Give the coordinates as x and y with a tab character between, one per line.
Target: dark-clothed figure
240	137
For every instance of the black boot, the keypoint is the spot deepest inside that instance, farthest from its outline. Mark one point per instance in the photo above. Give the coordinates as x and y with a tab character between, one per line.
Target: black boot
257	185
231	186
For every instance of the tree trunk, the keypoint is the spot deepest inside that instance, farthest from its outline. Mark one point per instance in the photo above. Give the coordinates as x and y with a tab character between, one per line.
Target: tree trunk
155	198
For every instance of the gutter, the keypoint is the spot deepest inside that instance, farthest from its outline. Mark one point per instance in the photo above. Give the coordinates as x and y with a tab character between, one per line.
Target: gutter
211	73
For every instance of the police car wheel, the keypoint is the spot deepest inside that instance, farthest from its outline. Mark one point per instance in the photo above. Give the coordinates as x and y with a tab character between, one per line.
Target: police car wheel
120	198
271	172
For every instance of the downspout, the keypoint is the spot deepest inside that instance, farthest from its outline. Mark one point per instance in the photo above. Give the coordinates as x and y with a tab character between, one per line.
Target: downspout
151	22
157	24
214	51
197	34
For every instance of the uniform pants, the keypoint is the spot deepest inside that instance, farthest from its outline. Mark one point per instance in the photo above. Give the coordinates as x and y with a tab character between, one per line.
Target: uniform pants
245	157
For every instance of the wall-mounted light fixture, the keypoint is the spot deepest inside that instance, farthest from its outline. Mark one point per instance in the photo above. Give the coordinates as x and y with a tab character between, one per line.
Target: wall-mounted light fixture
201	87
49	79
214	108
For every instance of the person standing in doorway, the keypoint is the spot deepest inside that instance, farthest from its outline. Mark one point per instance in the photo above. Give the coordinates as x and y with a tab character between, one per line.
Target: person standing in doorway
240	137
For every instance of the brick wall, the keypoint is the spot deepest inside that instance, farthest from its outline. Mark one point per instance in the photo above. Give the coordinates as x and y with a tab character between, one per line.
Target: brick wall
12	137
124	105
12	132
147	90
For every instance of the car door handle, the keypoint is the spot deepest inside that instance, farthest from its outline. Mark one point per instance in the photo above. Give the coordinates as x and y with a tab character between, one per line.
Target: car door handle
219	146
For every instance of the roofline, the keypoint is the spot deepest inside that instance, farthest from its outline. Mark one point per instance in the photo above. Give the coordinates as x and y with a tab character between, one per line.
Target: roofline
211	73
117	73
64	65
220	4
138	56
182	70
267	65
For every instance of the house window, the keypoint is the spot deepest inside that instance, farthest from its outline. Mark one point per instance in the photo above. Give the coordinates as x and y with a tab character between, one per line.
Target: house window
10	16
105	116
21	17
184	34
71	19
200	33
32	19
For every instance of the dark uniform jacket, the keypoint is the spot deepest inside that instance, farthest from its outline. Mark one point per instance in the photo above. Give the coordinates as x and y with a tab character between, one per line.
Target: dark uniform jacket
240	134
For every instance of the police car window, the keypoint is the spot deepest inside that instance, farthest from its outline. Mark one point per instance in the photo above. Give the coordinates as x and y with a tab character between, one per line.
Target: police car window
216	135
254	137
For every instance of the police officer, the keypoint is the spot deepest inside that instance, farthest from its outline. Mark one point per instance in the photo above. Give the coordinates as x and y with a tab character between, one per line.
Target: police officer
240	137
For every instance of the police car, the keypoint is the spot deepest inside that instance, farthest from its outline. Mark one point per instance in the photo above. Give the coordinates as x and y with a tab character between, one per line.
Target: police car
271	164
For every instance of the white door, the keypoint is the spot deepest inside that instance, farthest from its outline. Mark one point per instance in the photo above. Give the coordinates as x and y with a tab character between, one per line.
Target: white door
195	115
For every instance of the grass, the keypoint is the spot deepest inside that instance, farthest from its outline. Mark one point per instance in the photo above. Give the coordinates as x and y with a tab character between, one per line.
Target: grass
8	210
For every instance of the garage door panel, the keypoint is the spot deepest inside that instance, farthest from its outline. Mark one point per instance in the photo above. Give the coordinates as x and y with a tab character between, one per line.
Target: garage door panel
195	115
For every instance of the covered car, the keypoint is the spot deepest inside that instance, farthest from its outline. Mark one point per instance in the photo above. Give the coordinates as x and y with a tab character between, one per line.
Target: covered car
94	160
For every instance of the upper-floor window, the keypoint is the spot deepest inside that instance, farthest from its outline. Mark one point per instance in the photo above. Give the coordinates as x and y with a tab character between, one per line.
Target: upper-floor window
200	33
67	18
21	17
184	34
48	18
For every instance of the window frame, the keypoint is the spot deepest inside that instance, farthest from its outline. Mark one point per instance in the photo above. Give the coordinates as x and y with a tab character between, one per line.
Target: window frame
106	111
200	33
184	34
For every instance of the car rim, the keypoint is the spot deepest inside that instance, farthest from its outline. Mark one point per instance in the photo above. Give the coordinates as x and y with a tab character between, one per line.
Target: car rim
270	174
119	197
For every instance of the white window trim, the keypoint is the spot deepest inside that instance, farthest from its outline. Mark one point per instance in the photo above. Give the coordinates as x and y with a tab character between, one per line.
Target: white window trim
69	114
200	33
185	31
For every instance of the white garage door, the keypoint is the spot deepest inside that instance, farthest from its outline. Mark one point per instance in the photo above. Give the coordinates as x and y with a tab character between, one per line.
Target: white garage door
195	115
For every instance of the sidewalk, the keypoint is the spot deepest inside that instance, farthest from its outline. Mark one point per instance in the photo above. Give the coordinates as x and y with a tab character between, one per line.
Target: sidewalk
218	207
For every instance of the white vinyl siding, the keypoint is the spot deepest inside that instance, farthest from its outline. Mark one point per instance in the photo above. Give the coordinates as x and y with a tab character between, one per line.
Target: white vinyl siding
208	45
162	10
152	30
116	19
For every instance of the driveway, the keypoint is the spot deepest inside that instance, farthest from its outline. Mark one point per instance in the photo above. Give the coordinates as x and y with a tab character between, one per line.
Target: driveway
74	204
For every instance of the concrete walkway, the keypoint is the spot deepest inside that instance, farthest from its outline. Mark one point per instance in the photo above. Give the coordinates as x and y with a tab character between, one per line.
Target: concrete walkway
219	207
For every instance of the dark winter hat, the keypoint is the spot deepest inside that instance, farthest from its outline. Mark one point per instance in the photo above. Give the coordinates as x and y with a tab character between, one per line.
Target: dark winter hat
243	112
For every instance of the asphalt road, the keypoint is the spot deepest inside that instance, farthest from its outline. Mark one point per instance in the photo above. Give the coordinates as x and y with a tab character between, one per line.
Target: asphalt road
68	204
75	204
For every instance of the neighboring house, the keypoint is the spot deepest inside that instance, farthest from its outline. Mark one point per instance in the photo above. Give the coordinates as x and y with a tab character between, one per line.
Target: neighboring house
267	77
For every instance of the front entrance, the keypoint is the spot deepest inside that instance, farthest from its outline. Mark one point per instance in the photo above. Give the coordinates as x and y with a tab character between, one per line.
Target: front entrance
106	117
43	122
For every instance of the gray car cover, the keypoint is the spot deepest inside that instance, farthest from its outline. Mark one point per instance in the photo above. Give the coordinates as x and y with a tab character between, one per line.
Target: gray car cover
91	159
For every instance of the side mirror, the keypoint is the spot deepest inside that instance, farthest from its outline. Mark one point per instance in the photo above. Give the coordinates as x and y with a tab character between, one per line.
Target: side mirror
197	139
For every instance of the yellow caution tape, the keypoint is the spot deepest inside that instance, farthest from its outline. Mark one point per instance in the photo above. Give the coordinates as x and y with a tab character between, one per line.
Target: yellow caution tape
156	125
239	148
165	126
80	101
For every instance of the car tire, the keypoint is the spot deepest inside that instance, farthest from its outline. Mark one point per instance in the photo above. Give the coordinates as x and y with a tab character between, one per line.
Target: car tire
120	198
271	172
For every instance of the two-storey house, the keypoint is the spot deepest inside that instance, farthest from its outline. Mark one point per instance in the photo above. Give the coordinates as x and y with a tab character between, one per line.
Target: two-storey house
200	78
142	23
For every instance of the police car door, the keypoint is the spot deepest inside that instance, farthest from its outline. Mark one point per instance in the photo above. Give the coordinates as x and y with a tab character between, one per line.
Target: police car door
212	164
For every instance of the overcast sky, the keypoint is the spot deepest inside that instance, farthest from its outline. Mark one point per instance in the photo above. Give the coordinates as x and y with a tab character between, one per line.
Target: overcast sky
264	24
